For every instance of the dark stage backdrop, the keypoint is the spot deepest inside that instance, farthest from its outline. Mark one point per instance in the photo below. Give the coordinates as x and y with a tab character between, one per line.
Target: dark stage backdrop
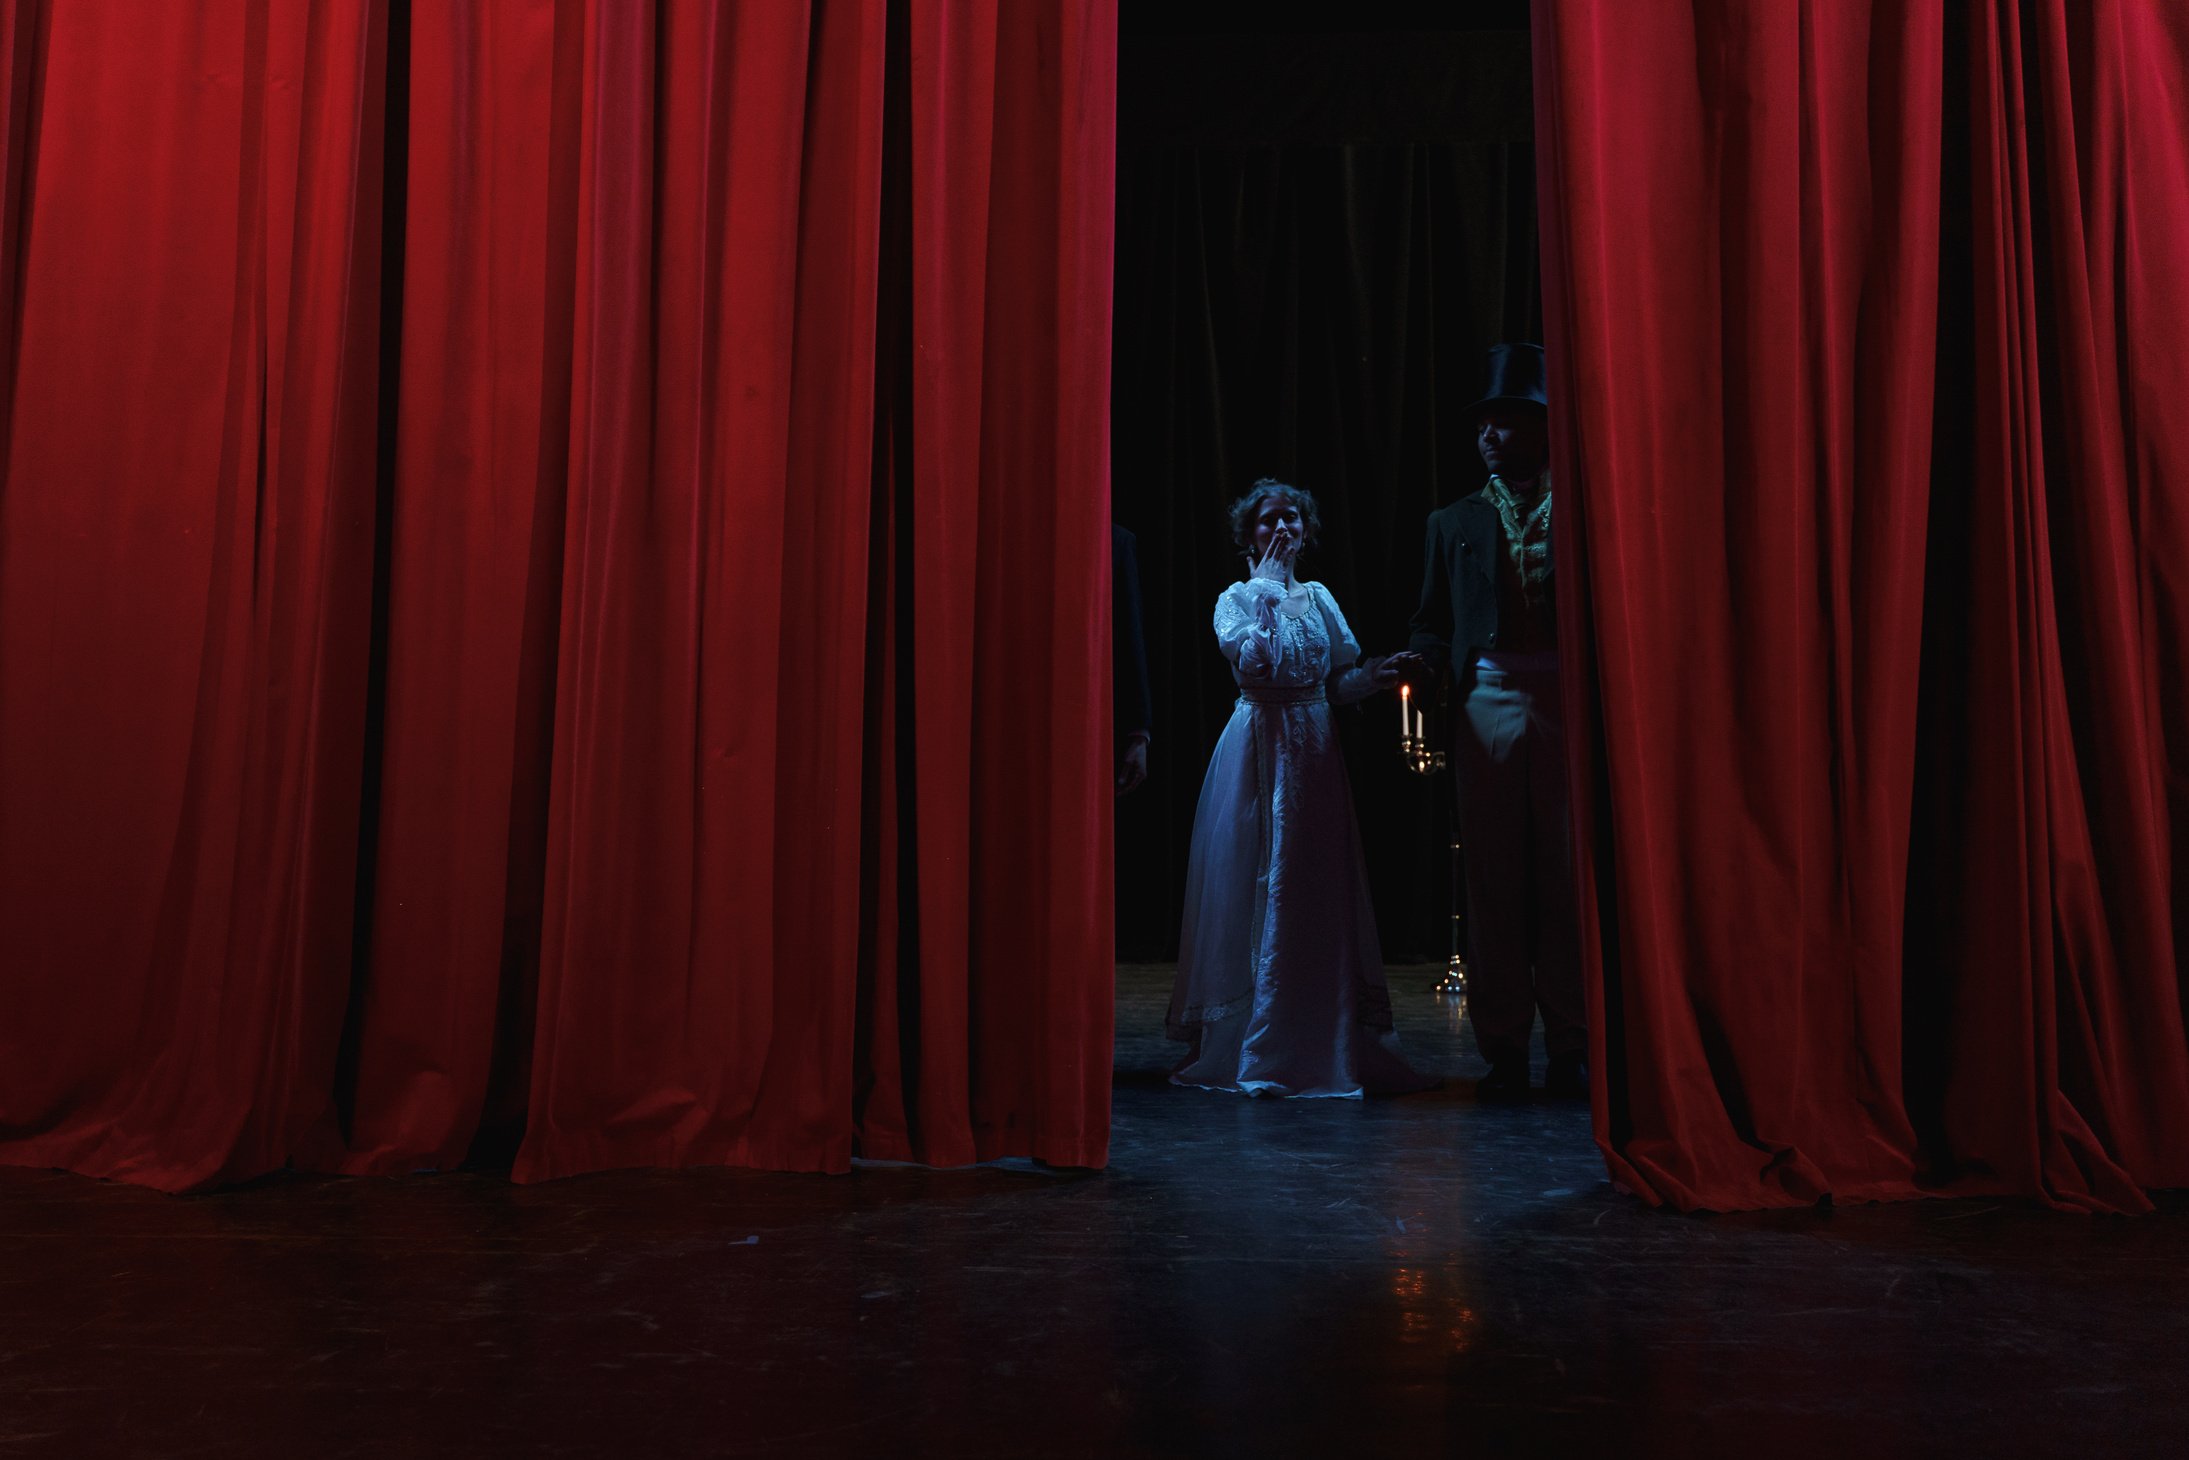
1868	321
552	583
1319	235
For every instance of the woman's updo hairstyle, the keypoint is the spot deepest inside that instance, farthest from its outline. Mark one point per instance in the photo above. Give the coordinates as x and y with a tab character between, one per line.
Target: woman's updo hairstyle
1247	508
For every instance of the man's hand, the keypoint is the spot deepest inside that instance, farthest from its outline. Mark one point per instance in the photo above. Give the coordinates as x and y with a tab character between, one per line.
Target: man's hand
1405	665
1132	765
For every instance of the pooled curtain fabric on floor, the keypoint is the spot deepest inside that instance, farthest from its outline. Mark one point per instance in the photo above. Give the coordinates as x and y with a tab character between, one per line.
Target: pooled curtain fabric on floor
1865	322
552	585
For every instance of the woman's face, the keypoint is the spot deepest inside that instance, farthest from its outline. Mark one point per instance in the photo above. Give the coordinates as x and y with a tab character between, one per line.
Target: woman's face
1274	515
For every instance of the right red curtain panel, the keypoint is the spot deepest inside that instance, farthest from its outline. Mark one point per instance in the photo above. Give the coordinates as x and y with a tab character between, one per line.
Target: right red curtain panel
1864	325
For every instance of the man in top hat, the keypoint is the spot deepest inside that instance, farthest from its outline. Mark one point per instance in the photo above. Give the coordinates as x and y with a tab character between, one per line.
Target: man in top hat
1487	617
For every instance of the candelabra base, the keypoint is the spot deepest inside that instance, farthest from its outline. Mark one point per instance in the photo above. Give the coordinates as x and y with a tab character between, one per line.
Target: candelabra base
1416	756
1454	983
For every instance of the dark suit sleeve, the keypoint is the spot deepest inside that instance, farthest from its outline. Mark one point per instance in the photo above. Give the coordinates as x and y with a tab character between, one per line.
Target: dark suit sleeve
1129	644
1432	623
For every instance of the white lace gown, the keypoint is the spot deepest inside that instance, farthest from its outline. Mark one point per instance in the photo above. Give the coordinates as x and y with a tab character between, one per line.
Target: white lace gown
1280	978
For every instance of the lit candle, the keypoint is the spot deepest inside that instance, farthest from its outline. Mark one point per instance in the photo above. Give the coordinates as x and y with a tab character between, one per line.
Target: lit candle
1406	713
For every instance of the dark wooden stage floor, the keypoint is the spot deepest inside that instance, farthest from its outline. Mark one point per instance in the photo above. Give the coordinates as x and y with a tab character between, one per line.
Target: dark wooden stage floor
1416	1277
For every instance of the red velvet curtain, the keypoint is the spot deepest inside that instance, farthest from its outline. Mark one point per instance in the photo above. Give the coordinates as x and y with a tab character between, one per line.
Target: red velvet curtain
186	544
1864	321
691	745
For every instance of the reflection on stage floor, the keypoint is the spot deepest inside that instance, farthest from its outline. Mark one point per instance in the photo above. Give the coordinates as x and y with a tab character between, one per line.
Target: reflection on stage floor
1419	1276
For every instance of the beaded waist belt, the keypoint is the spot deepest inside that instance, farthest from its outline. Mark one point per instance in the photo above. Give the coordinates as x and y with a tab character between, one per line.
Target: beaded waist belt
1282	694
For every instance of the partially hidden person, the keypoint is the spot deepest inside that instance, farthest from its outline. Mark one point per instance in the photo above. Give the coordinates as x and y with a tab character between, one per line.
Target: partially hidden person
1488	617
1133	700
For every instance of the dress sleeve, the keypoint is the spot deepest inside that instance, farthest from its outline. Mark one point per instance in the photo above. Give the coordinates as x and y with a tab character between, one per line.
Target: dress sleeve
1246	627
1349	680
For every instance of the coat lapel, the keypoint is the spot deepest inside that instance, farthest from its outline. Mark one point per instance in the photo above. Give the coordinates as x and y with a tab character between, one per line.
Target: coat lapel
1478	534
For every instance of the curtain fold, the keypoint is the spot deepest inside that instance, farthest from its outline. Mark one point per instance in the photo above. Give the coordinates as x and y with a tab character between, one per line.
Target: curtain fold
988	1020
451	900
1877	646
539	762
19	83
186	532
691	771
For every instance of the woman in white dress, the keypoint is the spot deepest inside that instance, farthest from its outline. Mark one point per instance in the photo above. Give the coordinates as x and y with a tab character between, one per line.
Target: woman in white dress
1280	978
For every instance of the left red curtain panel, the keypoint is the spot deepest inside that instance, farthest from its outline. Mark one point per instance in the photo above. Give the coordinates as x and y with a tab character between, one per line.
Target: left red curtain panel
193	217
591	702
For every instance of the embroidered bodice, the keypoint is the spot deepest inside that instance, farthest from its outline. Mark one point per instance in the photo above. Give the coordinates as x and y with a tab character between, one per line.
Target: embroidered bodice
1290	639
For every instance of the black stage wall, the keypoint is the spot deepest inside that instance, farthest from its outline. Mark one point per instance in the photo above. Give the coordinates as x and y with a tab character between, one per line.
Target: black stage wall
1319	232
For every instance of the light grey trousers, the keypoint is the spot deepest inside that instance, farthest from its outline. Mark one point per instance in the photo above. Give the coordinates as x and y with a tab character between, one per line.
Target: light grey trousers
1509	773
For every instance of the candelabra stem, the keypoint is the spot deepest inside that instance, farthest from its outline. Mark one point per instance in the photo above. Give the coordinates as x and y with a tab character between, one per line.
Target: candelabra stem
1453	984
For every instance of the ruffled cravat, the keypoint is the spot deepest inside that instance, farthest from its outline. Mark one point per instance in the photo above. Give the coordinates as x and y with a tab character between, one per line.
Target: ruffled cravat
1527	524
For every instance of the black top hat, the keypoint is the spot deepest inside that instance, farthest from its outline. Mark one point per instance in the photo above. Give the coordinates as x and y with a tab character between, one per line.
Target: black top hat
1516	374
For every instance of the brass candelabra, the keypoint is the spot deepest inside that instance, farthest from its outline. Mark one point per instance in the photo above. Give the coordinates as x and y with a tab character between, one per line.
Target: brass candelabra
1420	758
